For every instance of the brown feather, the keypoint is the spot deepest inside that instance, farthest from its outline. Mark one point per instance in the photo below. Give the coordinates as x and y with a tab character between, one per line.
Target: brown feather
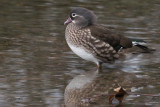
106	35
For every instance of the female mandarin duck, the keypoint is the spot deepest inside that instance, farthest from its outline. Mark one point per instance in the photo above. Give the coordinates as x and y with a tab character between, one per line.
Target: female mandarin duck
94	42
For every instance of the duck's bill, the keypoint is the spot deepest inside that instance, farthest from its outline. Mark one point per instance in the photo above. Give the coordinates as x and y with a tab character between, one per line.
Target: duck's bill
69	20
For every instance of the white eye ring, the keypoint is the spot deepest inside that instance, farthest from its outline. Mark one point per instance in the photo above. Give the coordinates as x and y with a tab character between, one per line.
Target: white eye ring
74	15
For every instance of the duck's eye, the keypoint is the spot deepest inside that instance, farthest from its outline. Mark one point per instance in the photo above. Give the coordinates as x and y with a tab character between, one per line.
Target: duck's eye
73	14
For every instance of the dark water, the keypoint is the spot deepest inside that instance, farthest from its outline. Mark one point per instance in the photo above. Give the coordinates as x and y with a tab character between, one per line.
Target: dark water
36	64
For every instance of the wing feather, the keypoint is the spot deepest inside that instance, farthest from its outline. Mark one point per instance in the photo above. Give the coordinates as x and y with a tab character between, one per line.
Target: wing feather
115	40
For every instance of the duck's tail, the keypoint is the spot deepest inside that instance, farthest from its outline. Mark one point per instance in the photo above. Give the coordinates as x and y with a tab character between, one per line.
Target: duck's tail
142	45
139	46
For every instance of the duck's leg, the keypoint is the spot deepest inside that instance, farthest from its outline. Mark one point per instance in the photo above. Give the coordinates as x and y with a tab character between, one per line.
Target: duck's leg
99	67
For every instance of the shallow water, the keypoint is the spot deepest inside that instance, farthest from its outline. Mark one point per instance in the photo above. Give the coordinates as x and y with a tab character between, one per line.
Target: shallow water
36	64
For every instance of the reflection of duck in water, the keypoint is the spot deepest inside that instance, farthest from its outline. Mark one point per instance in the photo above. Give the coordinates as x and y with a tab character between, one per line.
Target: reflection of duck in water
79	88
91	84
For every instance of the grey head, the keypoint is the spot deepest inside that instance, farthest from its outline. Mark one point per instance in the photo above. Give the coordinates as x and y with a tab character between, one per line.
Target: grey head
81	17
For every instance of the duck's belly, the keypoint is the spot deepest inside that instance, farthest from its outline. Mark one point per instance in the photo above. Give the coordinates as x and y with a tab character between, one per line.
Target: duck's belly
81	52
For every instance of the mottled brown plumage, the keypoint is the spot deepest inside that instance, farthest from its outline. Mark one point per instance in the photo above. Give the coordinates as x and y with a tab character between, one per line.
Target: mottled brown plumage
83	37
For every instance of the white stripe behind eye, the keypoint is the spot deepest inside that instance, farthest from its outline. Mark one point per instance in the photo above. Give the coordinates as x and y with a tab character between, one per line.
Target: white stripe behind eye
74	20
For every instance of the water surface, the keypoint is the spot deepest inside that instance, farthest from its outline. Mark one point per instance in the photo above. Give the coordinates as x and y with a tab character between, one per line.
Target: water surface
36	64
